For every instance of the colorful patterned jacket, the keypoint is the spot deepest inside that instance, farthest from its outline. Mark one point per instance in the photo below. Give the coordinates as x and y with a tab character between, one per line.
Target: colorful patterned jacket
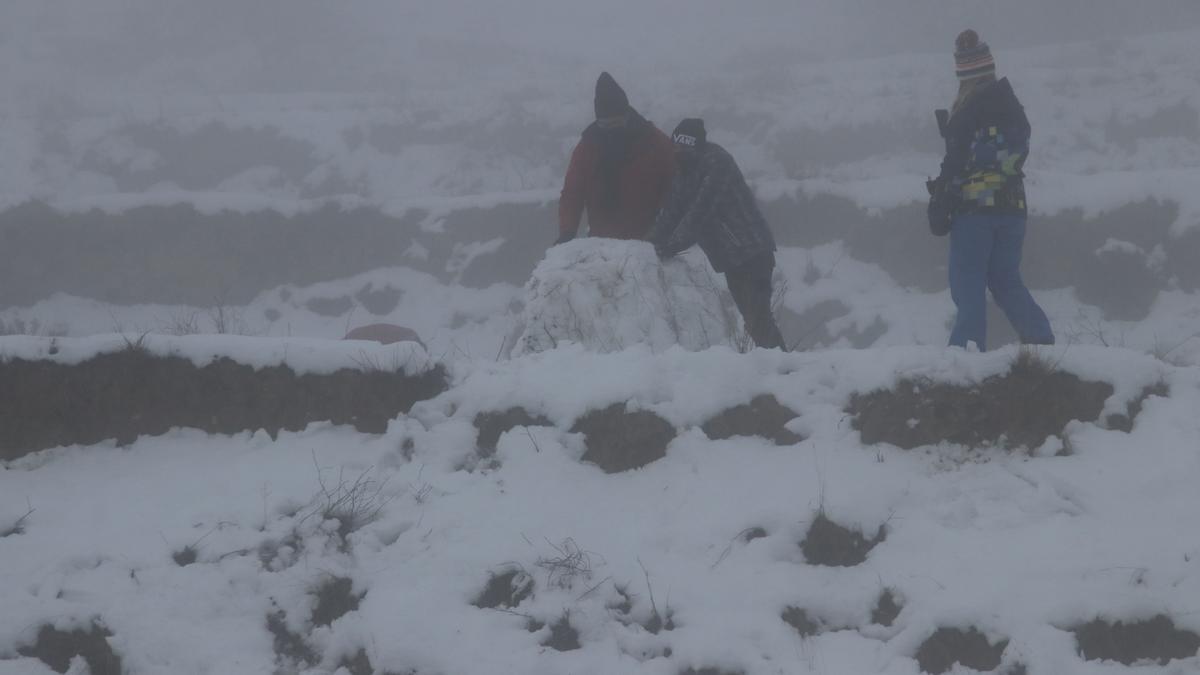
987	142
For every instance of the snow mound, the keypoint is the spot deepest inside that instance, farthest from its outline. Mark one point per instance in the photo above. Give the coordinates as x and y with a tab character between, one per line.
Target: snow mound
608	295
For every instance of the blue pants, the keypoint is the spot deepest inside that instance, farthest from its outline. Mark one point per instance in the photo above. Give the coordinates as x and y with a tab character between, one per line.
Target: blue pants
985	254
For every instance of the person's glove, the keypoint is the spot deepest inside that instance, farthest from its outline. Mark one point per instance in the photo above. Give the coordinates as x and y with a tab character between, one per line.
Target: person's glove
564	238
941	209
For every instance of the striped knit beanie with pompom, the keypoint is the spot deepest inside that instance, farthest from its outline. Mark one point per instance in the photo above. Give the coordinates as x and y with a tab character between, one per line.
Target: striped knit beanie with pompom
972	58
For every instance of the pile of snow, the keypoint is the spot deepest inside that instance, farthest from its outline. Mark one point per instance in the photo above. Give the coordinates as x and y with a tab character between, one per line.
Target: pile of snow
608	295
251	557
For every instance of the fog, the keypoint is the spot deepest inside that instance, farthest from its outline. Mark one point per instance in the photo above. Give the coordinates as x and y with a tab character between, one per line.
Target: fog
253	119
182	46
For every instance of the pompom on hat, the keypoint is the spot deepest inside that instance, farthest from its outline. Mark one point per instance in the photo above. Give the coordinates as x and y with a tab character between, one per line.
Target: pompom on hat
972	58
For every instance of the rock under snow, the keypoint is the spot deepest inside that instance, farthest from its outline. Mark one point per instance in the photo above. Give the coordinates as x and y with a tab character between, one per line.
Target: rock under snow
607	295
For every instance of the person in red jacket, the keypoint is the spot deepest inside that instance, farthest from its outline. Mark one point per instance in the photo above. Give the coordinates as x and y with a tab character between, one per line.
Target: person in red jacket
619	172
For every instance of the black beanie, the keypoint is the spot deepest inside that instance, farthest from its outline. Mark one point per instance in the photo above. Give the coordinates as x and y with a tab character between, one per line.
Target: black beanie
610	97
690	133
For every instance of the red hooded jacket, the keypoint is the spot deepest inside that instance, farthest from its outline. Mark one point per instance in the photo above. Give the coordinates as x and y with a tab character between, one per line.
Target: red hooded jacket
642	185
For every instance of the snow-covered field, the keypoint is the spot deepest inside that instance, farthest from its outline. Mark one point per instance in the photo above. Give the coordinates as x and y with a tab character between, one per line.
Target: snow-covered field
1025	546
1117	123
437	549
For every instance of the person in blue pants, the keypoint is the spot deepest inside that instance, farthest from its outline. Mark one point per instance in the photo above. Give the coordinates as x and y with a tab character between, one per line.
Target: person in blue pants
980	197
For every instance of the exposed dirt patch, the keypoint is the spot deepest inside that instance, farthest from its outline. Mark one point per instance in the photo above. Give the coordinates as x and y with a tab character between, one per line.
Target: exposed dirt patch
563	635
809	329
200	158
828	543
1177	121
130	393
751	533
618	440
764	416
358	663
56	648
887	608
623	603
335	599
799	619
654	623
507	589
948	646
1155	639
290	647
658	623
330	307
185	556
1124	422
492	425
280	554
1021	408
379	301
102	255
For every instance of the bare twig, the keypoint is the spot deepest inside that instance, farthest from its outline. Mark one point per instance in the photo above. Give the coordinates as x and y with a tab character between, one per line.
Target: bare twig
569	563
536	447
18	527
353	504
593	588
724	553
649	587
137	345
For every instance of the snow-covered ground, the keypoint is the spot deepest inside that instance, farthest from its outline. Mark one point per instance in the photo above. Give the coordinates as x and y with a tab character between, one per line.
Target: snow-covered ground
1022	546
1116	119
288	112
825	299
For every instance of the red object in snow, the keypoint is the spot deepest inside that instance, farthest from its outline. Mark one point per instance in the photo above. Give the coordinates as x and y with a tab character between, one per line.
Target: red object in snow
384	333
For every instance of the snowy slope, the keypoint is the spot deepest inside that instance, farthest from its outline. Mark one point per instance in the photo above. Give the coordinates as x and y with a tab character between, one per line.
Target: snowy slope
1023	546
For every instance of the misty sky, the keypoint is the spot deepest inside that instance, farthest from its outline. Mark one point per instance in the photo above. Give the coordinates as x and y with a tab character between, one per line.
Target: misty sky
183	46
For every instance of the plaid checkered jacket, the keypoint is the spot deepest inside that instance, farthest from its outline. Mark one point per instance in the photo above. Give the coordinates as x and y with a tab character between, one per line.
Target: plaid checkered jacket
710	204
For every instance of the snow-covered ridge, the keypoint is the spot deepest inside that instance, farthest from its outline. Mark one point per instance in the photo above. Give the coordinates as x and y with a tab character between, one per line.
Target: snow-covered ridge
302	355
259	570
